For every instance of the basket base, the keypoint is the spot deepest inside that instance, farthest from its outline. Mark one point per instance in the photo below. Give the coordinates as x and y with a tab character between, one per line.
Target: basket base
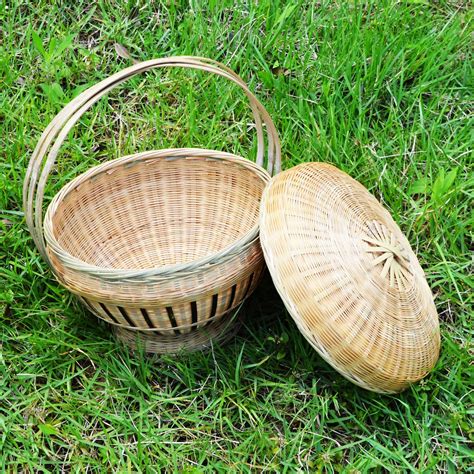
199	339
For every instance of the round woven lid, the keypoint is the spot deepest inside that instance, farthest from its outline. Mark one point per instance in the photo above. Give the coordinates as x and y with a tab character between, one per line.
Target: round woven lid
349	277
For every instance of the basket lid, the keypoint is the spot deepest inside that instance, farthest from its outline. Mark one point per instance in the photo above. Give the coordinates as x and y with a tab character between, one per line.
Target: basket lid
348	277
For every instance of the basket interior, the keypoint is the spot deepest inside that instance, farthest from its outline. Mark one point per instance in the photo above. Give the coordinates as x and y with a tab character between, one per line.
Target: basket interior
158	212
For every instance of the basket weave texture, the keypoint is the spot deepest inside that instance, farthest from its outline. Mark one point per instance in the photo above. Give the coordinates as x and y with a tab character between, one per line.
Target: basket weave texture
162	242
215	332
349	277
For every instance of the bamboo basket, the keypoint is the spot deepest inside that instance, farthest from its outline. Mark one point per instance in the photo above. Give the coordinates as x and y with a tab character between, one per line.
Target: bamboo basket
163	245
349	277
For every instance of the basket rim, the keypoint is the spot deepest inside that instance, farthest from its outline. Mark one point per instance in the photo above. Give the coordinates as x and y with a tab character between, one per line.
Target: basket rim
168	154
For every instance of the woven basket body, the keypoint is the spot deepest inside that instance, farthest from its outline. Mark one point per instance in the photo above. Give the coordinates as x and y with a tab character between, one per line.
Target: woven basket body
193	217
163	244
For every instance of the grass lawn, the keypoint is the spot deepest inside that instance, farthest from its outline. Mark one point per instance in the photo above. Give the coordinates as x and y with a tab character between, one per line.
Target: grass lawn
383	90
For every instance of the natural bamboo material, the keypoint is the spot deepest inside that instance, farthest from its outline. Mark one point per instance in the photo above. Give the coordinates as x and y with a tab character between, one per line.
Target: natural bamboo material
163	242
349	277
215	332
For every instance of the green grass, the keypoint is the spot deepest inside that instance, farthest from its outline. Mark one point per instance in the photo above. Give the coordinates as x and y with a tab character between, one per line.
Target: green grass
381	89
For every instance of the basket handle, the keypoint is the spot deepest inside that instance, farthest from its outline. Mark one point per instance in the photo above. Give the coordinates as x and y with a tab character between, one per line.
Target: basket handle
42	162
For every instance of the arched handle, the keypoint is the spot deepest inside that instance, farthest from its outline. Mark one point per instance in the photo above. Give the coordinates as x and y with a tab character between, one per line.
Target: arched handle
41	161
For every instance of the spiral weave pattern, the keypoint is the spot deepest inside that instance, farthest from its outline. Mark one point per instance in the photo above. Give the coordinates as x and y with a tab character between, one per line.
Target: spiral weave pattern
349	277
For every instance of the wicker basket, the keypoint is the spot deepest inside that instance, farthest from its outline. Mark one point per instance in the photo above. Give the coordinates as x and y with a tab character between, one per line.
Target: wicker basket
349	277
163	244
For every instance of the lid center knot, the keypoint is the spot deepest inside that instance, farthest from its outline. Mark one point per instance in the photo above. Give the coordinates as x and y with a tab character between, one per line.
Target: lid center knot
388	254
